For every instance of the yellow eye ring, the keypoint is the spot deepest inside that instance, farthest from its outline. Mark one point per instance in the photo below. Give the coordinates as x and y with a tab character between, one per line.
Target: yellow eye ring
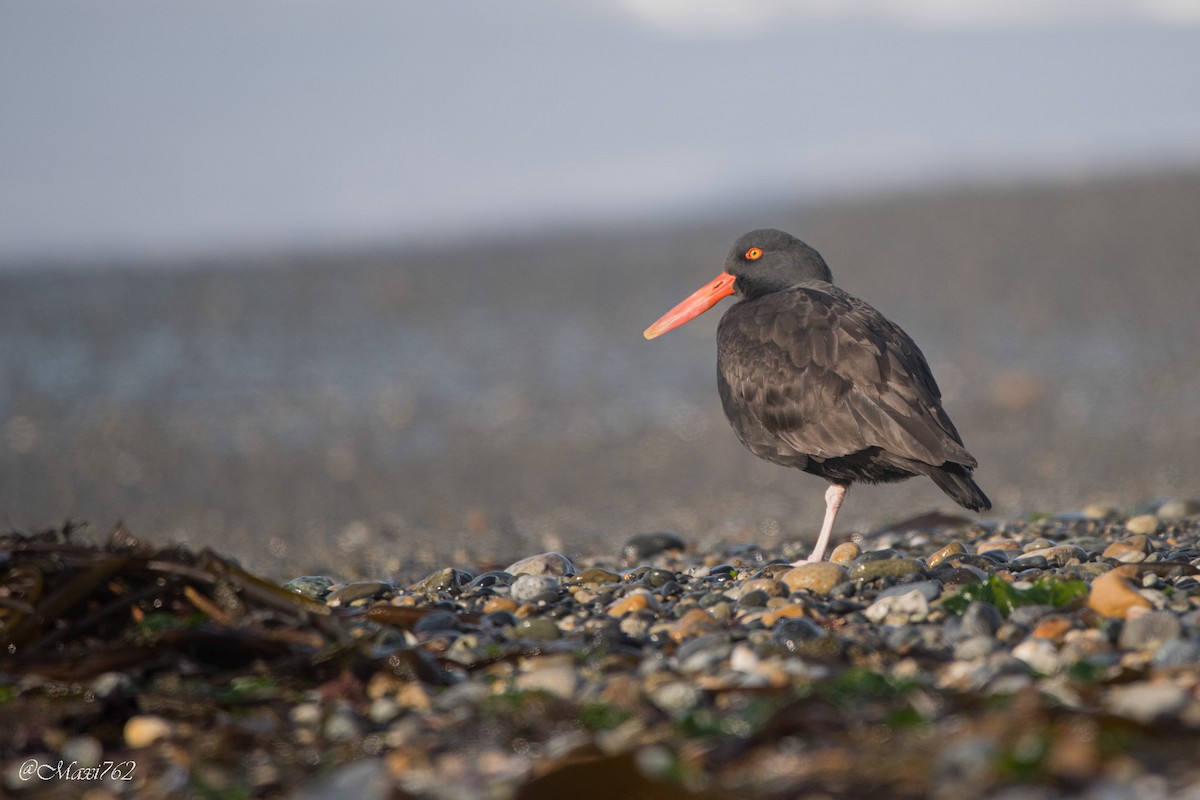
754	254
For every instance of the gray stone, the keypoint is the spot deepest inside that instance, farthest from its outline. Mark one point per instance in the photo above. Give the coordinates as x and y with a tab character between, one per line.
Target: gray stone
980	619
1149	631
314	586
1178	509
528	588
928	589
1178	653
555	564
911	604
645	545
367	778
975	647
1146	702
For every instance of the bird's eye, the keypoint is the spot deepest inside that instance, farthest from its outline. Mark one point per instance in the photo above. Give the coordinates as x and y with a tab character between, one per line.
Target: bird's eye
754	254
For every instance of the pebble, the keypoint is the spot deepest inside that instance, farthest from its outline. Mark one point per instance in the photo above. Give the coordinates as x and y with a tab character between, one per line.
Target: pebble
911	605
645	545
1040	654
696	622
885	568
638	600
528	588
733	672
1178	509
1146	702
845	553
1130	550
550	675
1113	595
143	730
1060	555
818	578
1146	524
553	564
1149	631
952	549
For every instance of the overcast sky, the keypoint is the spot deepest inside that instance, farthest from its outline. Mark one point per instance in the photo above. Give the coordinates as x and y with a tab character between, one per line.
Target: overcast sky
144	129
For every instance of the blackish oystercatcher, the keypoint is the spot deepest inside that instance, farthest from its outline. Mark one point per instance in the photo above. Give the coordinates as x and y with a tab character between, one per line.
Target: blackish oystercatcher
814	378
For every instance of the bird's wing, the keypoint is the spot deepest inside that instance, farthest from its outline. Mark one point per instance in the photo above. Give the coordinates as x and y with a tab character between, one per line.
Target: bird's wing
829	375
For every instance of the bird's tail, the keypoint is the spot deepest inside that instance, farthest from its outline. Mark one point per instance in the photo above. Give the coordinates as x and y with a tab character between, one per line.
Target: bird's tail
955	480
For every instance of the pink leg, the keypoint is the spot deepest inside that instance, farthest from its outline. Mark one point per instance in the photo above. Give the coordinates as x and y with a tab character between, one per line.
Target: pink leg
833	501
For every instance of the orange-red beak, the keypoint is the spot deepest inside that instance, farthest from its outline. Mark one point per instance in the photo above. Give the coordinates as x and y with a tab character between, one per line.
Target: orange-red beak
701	300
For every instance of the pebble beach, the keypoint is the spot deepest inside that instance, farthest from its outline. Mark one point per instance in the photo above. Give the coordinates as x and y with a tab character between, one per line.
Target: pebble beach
942	657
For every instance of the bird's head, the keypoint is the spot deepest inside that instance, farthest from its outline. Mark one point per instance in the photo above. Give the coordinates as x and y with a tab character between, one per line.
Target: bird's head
761	262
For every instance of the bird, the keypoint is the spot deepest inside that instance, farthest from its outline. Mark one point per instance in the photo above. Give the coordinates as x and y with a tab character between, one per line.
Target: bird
814	378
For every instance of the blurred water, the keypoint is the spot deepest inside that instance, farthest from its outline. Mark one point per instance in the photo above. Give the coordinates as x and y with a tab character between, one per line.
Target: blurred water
382	412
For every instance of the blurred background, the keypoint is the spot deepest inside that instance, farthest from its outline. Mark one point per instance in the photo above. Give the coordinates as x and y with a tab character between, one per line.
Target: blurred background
358	287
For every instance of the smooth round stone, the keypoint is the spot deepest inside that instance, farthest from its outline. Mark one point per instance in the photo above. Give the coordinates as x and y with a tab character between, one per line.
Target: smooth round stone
997	544
495	604
1058	554
1030	615
1132	549
845	553
554	564
1146	702
1112	595
1028	562
493	577
1040	654
928	589
645	545
911	604
694	623
656	578
440	581
791	633
1146	524
592	575
675	698
880	555
1041	543
634	601
1150	631
539	629
359	590
82	750
1178	509
975	647
890	568
768	586
952	549
342	726
437	621
1178	653
314	586
960	576
789	611
703	653
1098	511
818	578
143	730
1052	627
754	599
560	680
306	715
981	619
528	588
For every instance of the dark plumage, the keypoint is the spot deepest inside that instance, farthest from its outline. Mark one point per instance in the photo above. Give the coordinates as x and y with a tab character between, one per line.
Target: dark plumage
814	378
